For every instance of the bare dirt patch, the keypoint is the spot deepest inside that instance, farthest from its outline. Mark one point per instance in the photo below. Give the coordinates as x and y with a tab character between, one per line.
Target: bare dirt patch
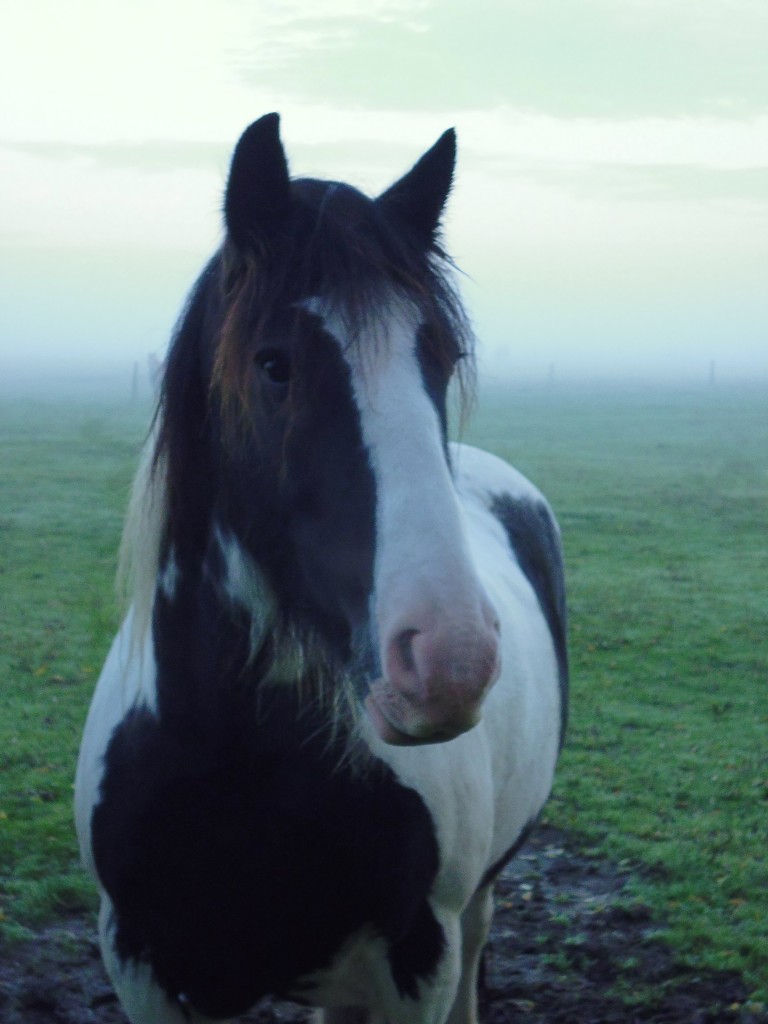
565	947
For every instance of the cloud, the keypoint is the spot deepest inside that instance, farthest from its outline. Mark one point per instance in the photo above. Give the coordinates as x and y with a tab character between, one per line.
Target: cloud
591	58
672	160
153	156
643	182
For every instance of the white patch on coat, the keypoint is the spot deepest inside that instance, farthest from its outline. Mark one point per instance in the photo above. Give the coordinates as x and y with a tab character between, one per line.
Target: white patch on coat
245	585
168	577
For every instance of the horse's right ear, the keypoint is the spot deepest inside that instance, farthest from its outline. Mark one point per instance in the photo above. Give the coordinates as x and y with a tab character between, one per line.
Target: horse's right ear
258	190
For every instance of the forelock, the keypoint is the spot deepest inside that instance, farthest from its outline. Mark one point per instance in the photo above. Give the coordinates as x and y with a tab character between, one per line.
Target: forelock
339	247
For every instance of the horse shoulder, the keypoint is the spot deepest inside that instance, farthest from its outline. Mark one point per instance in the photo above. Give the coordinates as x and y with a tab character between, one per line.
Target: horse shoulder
512	531
455	781
515	542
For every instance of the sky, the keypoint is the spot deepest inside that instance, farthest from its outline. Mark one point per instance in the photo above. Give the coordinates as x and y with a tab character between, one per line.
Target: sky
610	211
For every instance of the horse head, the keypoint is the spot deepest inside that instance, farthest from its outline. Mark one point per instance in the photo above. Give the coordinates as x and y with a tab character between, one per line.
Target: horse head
329	333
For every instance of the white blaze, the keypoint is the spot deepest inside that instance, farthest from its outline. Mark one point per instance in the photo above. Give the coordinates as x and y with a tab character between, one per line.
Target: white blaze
421	554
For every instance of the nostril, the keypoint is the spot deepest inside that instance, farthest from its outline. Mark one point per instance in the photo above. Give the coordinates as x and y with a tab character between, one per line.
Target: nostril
491	619
404	645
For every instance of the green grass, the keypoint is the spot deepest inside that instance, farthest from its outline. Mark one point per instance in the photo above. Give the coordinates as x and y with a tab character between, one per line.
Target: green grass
65	476
662	496
663	500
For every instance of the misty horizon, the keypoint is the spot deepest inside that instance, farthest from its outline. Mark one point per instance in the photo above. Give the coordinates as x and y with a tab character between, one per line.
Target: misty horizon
609	211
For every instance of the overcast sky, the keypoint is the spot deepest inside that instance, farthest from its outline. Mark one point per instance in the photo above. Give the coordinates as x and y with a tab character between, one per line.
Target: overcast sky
611	204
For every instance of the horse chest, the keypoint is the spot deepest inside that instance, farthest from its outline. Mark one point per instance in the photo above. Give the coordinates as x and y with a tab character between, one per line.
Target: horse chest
236	872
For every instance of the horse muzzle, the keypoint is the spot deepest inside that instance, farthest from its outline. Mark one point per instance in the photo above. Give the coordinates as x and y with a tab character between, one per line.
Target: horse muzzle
435	679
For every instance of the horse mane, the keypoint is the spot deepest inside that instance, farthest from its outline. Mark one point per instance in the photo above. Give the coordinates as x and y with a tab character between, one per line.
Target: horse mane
337	245
143	531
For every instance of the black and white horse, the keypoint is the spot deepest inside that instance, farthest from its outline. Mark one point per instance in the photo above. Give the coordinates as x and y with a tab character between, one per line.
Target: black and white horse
335	706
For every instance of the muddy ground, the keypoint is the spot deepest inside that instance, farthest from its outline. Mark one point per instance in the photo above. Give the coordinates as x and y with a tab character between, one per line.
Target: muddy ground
563	946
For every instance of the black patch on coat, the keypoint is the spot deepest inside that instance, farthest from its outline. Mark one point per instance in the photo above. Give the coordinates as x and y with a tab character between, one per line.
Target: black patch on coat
238	849
535	544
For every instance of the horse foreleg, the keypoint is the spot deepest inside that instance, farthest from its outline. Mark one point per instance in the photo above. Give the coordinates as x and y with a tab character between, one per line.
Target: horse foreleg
475	925
142	999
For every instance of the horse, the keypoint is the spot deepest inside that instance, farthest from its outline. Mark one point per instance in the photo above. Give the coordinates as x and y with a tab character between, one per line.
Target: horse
334	708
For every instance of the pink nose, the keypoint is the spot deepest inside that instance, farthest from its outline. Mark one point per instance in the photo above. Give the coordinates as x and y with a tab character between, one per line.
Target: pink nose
435	678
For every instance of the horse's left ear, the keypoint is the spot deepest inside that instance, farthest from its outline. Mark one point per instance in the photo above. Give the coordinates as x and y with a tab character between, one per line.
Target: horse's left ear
419	196
258	191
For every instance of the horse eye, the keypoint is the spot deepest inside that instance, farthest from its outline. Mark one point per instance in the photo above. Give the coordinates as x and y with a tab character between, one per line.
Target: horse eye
275	366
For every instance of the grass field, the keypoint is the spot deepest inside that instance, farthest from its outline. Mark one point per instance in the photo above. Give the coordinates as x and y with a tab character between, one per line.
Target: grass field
662	496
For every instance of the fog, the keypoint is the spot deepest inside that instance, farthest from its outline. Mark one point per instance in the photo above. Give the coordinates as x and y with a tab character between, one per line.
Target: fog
610	207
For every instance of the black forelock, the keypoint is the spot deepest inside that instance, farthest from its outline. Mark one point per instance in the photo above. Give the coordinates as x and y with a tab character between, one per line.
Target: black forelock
356	256
345	248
